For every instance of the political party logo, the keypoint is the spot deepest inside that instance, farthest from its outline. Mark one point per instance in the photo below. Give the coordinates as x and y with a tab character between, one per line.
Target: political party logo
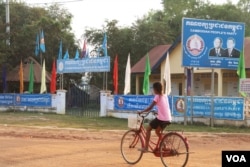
195	45
120	102
60	67
180	105
18	99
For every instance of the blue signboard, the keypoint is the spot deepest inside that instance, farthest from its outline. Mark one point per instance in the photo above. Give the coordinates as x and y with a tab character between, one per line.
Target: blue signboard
34	100
211	43
6	99
133	102
224	108
100	64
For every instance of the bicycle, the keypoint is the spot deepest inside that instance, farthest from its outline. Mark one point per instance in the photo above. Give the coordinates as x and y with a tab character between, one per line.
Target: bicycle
172	147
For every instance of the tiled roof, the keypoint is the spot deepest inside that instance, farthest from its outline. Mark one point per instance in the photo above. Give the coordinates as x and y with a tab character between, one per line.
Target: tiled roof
155	54
14	74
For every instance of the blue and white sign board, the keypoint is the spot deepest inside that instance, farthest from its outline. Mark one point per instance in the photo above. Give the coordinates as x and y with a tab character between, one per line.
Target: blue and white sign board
6	99
134	102
34	100
224	108
100	64
211	43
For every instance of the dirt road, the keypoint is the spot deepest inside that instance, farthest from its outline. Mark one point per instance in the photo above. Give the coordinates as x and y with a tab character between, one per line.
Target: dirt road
51	147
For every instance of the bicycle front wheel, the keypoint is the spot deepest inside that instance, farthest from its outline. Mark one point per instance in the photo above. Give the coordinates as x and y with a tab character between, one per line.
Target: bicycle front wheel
174	150
130	143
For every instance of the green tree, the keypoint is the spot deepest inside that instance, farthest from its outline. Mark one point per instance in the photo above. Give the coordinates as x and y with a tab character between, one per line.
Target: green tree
120	42
174	12
25	23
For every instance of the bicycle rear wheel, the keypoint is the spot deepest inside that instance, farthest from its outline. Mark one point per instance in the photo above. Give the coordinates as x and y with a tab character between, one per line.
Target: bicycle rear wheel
130	143
174	150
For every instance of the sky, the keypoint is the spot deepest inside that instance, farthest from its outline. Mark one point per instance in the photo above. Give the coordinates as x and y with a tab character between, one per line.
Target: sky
93	13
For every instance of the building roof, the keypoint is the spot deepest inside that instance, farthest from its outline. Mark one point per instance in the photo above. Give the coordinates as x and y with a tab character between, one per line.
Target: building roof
155	54
159	53
14	74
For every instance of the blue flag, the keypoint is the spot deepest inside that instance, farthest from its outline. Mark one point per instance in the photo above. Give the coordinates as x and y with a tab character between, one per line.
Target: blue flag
42	42
60	51
37	48
104	45
77	55
66	55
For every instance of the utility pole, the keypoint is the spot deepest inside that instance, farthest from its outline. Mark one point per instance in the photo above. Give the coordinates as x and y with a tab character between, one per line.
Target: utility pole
7	9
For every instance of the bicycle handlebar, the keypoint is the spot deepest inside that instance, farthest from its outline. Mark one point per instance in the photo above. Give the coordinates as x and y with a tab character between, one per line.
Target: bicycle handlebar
147	113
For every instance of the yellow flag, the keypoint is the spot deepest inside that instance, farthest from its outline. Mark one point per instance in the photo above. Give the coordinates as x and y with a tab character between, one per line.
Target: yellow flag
43	79
21	77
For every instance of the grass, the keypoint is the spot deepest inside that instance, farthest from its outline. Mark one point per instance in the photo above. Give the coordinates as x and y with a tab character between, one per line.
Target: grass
98	123
60	121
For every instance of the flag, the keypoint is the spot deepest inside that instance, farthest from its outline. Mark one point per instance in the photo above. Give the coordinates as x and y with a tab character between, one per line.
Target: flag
53	78
4	79
77	55
66	55
115	75
21	77
241	71
146	76
167	76
31	78
104	45
43	79
42	42
127	77
87	54
60	50
84	50
37	48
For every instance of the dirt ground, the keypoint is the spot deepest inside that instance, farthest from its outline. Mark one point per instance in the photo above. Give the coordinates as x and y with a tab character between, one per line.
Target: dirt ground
52	147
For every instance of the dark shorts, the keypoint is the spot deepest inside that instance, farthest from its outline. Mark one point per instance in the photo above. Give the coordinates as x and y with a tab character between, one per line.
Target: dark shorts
156	122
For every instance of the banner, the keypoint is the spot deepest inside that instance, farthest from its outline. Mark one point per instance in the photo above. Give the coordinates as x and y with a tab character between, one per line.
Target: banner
6	99
99	64
212	43
33	100
224	107
135	103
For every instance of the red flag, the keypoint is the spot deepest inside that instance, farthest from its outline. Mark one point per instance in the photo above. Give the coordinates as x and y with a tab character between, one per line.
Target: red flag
115	75
53	78
84	49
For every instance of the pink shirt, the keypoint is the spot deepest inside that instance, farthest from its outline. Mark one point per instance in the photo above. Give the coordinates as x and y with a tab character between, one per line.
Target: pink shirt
162	104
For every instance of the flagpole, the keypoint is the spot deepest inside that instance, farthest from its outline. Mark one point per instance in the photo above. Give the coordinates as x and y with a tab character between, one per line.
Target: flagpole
106	81
103	81
41	58
62	81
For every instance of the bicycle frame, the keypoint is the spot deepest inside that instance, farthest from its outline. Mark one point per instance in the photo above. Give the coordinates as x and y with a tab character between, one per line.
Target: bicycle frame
153	146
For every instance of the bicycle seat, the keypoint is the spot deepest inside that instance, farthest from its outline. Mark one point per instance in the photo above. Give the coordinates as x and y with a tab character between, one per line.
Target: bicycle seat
164	124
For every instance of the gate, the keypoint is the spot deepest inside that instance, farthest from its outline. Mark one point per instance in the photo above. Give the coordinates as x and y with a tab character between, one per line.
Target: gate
83	101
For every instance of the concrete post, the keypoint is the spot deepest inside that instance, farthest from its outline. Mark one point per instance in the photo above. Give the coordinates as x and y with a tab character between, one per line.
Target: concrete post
104	102
61	101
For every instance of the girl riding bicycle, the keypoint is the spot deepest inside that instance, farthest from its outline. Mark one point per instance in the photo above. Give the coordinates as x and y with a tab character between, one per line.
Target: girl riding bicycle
164	115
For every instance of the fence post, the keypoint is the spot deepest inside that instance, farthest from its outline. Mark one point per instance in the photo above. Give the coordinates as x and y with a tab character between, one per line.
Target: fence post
61	101
103	102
